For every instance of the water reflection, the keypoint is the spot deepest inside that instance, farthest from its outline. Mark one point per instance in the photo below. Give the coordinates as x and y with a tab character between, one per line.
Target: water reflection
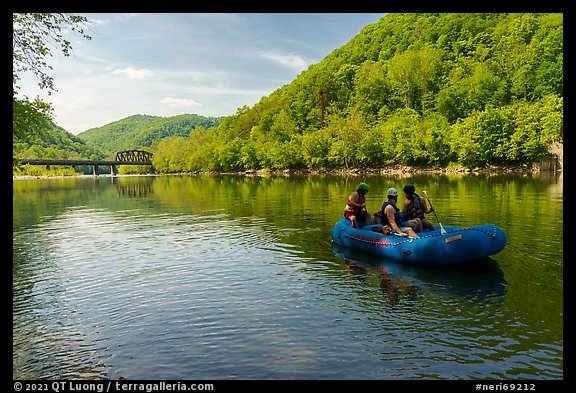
133	190
480	279
236	277
394	289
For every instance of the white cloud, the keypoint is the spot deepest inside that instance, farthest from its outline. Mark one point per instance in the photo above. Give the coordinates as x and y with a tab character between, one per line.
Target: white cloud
97	22
132	73
288	60
224	61
179	102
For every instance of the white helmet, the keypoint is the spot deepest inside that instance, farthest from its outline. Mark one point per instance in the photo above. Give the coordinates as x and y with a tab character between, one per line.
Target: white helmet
392	192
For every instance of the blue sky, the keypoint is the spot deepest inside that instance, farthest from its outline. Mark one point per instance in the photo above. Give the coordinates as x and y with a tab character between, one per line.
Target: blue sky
167	64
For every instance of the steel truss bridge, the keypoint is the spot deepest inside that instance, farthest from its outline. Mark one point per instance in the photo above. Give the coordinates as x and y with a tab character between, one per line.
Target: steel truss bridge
126	157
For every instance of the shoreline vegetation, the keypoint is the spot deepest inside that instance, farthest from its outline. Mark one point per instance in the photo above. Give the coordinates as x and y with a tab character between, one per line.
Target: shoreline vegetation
391	170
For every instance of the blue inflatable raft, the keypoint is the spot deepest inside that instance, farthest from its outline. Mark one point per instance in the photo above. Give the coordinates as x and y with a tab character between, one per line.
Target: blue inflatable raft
433	247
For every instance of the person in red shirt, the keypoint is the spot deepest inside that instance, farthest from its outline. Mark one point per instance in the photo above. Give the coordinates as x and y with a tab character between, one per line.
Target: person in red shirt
355	209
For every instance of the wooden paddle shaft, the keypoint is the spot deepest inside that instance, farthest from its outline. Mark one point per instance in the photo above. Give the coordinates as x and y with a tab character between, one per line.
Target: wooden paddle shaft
434	211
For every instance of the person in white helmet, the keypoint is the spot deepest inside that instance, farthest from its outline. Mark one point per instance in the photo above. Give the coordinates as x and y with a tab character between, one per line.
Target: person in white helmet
391	218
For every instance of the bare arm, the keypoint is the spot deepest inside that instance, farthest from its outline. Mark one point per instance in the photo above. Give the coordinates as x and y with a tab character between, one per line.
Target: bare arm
389	211
405	207
354	201
425	206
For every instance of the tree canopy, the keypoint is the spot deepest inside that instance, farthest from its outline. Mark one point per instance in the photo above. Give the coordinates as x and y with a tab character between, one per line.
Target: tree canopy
427	90
412	89
141	131
34	35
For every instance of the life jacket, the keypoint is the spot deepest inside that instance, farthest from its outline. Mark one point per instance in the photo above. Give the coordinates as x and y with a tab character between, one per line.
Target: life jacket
414	209
398	217
361	200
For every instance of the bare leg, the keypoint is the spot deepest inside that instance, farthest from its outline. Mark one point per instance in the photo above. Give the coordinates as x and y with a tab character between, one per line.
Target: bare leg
415	224
419	228
353	219
427	224
367	218
411	233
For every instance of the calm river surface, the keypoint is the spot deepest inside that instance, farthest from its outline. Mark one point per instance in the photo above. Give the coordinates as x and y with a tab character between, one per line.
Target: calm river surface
236	277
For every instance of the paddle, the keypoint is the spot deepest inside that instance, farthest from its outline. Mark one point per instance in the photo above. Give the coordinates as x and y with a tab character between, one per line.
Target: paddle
442	230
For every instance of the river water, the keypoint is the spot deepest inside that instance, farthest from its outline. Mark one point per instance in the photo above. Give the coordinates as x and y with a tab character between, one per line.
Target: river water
236	277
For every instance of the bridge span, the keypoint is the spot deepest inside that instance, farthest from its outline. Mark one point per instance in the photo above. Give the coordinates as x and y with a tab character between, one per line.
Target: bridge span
126	157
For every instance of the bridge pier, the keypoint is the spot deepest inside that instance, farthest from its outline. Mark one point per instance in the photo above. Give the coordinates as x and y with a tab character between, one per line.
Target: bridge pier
113	170
95	170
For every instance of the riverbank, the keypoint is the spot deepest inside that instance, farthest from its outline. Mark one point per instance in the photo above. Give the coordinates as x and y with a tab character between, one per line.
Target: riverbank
399	170
392	170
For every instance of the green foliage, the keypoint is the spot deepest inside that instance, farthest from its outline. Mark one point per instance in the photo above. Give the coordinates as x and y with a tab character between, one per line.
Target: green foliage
53	143
30	119
514	134
33	35
56	143
413	74
139	131
135	169
470	90
412	89
36	170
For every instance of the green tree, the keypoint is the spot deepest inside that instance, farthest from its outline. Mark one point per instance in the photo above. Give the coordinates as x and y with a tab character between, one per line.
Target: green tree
33	37
412	89
413	72
372	89
29	118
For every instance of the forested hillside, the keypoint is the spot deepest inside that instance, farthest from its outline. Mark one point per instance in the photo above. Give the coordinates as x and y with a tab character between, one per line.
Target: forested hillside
56	143
140	131
134	132
412	89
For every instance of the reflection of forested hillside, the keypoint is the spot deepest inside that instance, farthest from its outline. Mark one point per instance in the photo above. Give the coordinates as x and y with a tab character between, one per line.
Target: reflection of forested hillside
297	213
285	201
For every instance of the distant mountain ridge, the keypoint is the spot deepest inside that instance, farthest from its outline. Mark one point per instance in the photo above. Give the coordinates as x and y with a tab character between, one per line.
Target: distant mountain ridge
139	131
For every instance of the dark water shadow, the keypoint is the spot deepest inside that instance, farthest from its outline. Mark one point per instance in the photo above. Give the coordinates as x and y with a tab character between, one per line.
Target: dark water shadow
477	279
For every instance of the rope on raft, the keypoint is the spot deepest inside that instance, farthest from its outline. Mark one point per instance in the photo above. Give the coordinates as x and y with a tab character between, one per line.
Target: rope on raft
373	240
492	235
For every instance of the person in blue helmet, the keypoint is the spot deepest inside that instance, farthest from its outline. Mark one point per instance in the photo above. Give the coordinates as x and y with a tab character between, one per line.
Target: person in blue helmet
392	220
